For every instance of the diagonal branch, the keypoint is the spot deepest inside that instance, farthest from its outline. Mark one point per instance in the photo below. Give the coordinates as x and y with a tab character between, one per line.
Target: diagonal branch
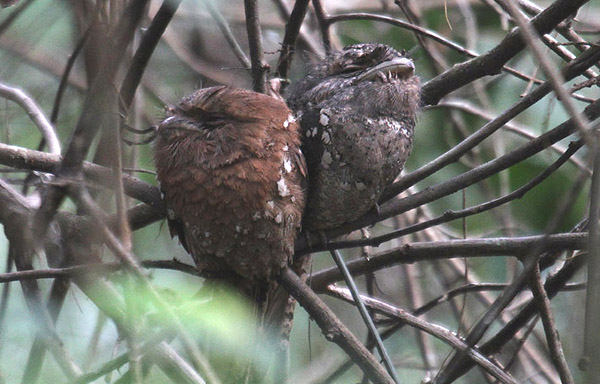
439	250
545	309
93	116
333	329
435	330
292	30
492	62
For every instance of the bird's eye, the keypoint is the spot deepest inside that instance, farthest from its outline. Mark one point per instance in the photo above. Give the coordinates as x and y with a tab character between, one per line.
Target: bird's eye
351	67
356	63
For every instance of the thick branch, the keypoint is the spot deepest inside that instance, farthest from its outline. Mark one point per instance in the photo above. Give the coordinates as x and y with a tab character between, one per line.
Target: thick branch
22	158
437	250
259	66
492	62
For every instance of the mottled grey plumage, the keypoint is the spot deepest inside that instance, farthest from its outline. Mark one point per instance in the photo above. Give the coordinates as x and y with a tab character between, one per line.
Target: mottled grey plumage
357	110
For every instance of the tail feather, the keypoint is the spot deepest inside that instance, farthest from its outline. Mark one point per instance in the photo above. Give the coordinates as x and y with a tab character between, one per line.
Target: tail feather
279	319
273	313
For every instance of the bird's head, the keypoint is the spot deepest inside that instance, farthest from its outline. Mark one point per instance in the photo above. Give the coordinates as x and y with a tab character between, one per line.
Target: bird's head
368	62
219	107
373	79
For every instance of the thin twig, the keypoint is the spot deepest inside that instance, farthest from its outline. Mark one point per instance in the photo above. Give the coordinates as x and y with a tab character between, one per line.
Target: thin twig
437	331
513	127
226	31
493	61
323	24
292	30
552	286
64	79
97	268
387	361
144	52
414	293
545	309
333	329
555	78
36	115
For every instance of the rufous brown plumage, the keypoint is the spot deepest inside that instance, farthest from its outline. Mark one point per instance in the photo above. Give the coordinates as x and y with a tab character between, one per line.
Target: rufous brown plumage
232	174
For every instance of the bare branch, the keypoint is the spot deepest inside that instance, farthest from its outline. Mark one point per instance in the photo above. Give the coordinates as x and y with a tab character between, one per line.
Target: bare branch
554	76
492	62
333	329
36	115
22	158
259	66
437	331
292	30
591	351
437	250
144	52
323	24
545	309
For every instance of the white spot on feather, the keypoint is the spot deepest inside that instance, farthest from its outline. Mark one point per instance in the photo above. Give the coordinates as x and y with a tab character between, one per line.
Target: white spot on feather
287	165
323	119
282	187
393	124
326	137
312	132
279	218
326	159
290	119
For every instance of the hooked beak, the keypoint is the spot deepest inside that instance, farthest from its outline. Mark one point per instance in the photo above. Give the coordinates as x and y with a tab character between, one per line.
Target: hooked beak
401	67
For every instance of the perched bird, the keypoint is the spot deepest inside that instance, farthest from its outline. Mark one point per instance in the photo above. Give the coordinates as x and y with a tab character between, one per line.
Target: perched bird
232	174
357	110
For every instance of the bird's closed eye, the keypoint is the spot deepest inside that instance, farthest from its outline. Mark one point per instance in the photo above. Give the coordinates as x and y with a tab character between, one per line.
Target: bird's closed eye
212	120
